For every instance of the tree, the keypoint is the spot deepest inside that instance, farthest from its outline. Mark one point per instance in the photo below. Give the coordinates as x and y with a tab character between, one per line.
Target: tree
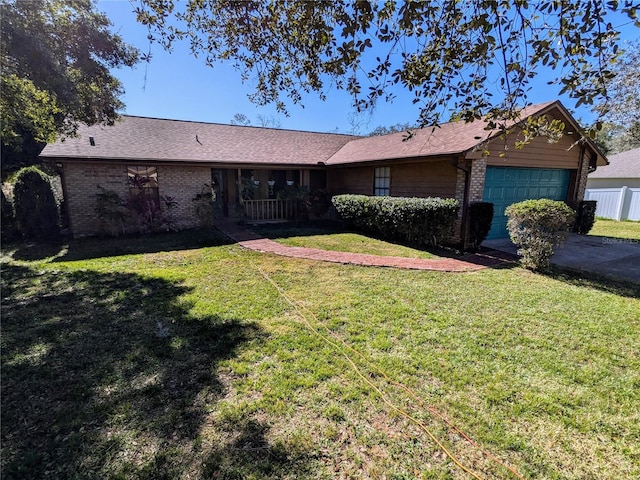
240	119
398	127
56	59
475	58
263	120
620	110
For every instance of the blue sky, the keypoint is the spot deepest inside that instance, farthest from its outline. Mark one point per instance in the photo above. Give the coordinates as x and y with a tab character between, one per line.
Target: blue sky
176	85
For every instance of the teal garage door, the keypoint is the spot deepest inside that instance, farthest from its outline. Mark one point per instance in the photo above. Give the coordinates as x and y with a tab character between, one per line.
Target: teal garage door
506	185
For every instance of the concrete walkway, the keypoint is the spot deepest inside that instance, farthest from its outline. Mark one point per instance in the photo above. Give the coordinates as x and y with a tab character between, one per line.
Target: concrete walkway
252	241
611	257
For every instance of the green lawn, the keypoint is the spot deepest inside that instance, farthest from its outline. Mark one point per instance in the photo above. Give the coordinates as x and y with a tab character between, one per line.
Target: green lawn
182	358
611	228
328	239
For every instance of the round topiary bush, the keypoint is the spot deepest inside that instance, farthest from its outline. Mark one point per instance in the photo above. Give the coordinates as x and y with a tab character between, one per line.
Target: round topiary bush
537	226
37	212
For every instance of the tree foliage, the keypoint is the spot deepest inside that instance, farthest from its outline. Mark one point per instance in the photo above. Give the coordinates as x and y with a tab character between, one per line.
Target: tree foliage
8	218
620	110
395	128
265	121
476	58
56	59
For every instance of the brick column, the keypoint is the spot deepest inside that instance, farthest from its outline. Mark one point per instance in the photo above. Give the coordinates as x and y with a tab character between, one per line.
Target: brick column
476	185
459	195
582	181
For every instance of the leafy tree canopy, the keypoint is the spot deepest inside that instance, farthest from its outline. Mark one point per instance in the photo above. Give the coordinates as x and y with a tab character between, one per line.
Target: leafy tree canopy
474	57
620	110
384	130
56	58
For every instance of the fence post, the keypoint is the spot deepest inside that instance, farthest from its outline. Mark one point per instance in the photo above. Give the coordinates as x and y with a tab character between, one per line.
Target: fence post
623	194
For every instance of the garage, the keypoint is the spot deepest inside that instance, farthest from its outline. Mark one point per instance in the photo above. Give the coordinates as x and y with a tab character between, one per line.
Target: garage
506	185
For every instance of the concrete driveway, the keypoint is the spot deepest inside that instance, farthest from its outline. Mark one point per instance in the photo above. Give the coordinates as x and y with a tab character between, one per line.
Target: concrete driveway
612	257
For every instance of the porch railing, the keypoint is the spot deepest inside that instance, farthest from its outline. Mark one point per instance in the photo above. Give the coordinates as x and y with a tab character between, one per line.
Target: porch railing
271	210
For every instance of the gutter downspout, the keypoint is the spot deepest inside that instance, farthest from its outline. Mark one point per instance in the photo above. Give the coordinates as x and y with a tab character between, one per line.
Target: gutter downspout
455	161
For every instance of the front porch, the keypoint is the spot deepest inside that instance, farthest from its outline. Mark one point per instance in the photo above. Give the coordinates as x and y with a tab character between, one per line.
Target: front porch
269	210
263	195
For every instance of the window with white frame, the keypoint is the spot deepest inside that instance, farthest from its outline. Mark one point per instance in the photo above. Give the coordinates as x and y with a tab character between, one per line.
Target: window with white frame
382	181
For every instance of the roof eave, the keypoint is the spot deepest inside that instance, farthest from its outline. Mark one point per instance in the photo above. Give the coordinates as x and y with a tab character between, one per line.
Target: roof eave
138	160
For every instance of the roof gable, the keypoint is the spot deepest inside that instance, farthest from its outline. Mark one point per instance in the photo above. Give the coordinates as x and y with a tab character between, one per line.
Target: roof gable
451	138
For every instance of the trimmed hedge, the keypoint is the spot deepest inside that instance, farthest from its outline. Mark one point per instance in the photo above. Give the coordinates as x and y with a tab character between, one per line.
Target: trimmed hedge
480	216
427	221
585	216
537	226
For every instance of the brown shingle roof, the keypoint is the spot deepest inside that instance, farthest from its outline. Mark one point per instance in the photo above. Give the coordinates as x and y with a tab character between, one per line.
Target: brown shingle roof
152	139
155	139
621	165
448	138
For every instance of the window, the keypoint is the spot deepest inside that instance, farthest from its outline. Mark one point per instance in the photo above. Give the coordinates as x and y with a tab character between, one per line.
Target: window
382	181
143	180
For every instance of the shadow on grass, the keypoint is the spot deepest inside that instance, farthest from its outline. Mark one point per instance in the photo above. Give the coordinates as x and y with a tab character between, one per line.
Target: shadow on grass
591	280
109	375
287	230
299	229
97	247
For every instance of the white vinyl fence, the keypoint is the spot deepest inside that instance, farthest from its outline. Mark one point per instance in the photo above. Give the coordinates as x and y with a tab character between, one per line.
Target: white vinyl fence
622	203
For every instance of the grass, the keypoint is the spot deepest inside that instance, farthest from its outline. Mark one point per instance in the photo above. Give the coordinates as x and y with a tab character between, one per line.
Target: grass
340	241
610	228
190	358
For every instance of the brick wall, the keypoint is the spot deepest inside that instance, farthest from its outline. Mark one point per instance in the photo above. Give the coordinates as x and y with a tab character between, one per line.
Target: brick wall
81	186
183	183
476	183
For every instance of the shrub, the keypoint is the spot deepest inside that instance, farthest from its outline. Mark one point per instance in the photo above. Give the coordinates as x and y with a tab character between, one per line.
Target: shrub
537	226
169	203
111	212
36	211
8	219
415	220
204	206
585	216
316	203
145	212
480	216
137	213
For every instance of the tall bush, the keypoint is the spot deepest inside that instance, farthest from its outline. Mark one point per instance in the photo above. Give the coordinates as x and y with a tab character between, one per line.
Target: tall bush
427	221
111	211
480	217
537	226
585	216
37	212
8	219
